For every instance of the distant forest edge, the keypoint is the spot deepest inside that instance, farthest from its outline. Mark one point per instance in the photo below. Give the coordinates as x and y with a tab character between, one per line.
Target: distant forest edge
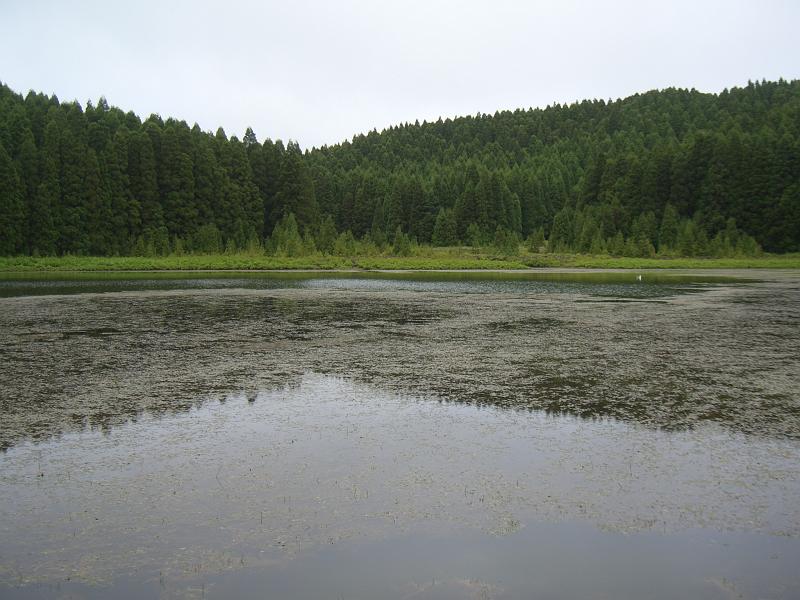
672	172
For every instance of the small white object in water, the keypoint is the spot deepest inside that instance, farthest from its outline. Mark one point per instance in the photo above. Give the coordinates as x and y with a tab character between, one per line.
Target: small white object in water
638	278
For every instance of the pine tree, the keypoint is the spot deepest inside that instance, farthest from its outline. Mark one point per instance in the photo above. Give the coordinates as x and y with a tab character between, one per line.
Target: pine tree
103	181
368	194
176	180
74	206
668	233
536	241
295	189
12	209
285	239
143	177
99	218
562	232
41	229
125	218
326	236
444	231
402	243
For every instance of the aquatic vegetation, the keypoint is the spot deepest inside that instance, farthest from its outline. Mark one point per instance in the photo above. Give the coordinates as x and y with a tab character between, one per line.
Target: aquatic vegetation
204	433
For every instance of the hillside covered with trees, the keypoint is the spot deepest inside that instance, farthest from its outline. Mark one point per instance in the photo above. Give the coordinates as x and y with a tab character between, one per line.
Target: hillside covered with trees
674	172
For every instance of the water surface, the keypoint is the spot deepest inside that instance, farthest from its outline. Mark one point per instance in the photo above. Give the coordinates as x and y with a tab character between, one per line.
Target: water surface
418	436
297	489
629	284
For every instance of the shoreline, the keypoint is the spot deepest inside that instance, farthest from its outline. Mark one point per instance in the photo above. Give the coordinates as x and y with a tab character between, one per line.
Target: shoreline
245	263
707	275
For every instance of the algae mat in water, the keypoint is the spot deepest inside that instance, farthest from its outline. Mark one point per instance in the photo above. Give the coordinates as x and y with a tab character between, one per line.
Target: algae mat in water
490	438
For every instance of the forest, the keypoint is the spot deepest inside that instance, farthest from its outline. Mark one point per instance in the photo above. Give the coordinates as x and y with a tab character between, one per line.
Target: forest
673	172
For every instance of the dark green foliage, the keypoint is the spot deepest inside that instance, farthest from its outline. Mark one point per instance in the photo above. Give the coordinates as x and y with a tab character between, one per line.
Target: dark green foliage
12	209
474	236
345	244
326	236
295	189
402	243
285	239
143	182
444	230
206	239
41	231
176	179
506	242
536	241
664	172
562	232
668	234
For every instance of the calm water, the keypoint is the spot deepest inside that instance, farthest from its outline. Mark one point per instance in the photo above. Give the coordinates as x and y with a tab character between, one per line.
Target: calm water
414	437
626	284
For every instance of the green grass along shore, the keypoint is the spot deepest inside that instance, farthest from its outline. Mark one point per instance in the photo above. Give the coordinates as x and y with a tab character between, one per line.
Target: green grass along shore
443	259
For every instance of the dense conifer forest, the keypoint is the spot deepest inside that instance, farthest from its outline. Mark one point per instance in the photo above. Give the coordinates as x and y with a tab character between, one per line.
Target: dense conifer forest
674	172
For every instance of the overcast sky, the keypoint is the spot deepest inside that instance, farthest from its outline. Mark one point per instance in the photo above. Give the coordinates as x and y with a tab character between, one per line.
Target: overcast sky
319	72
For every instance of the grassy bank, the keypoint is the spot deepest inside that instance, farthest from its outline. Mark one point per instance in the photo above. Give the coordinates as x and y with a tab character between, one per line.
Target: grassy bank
223	262
787	261
430	258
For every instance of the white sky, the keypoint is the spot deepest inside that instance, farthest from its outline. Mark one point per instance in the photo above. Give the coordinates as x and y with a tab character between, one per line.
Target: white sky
320	72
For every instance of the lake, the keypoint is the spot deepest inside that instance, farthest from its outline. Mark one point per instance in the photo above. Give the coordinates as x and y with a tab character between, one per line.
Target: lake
400	435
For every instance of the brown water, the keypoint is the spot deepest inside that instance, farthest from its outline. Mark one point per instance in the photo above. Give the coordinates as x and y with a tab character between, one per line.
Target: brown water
361	438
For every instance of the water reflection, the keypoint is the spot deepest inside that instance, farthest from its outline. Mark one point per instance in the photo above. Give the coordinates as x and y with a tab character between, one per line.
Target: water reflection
331	487
725	354
620	283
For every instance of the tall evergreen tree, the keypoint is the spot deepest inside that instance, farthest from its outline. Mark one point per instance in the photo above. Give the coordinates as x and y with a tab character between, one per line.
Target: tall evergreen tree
295	189
444	230
587	174
143	177
12	209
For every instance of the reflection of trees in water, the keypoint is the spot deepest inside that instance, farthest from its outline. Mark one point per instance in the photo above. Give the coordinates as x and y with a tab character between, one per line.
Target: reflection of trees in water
96	361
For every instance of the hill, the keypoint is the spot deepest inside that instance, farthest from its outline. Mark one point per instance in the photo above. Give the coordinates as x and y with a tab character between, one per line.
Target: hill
670	171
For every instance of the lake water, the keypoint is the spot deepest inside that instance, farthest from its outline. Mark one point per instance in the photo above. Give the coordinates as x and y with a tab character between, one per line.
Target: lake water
405	436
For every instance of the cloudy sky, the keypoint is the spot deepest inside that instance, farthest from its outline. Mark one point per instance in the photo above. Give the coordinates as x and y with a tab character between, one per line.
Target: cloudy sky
320	71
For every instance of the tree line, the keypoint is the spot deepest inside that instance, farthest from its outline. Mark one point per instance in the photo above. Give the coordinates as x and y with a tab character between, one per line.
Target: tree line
673	171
